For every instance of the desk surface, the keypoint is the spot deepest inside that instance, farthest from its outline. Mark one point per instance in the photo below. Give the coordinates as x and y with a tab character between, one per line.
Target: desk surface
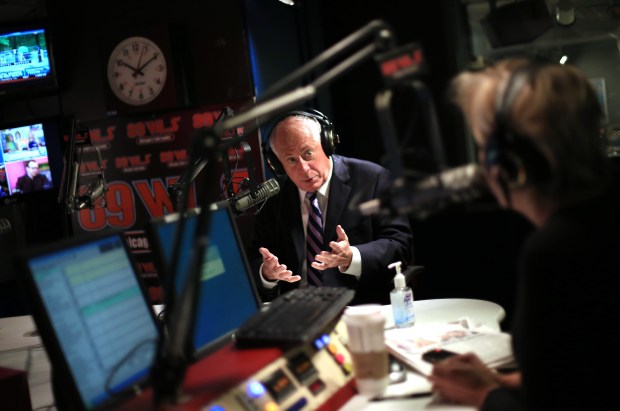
478	312
21	348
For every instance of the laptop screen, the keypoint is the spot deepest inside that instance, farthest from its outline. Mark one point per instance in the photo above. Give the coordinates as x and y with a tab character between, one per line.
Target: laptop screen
227	296
93	316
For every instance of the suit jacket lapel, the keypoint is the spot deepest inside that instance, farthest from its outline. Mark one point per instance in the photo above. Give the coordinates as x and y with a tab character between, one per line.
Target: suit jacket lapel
339	192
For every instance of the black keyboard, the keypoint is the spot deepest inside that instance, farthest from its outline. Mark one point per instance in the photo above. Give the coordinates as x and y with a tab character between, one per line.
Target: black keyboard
294	318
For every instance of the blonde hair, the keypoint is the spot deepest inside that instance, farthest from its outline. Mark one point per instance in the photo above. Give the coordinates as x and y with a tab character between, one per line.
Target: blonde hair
556	109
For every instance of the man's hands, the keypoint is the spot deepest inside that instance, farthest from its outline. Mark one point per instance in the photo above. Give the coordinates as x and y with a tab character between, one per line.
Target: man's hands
340	256
273	271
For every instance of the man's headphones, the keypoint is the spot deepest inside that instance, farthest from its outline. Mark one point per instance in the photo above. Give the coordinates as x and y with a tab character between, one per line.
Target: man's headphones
329	137
520	161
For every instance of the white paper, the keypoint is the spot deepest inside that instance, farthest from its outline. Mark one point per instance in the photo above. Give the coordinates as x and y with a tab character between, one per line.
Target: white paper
408	344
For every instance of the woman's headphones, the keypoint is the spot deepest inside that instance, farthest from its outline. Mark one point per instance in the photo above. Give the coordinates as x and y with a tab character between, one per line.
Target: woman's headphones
519	159
329	137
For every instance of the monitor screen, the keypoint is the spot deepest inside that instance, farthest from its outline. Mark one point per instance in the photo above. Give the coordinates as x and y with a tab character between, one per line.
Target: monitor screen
227	296
30	159
26	60
93	316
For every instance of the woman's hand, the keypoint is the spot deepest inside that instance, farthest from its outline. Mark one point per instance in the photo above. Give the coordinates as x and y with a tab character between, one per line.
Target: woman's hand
463	379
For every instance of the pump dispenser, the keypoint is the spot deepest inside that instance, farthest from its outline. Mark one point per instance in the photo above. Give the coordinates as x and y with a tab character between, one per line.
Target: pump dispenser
401	298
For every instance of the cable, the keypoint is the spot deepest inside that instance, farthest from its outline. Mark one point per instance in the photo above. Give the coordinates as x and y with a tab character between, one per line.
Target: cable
118	365
229	186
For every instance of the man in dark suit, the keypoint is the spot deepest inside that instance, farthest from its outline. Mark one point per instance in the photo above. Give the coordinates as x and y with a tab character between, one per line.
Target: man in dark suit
355	250
32	180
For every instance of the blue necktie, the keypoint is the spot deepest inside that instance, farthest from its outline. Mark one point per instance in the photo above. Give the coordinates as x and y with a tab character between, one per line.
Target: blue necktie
314	239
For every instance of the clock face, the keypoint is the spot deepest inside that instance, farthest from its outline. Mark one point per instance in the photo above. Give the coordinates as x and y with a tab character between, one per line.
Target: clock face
137	71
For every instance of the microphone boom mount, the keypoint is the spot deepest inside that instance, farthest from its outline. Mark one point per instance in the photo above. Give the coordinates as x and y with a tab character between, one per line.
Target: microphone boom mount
69	193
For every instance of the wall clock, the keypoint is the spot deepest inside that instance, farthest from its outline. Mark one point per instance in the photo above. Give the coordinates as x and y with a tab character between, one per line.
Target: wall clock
137	71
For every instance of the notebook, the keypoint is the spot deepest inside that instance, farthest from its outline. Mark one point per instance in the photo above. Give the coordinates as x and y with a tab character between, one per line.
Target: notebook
94	319
227	295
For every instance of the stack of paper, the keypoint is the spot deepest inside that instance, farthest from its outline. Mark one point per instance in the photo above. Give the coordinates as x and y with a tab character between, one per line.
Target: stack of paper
408	344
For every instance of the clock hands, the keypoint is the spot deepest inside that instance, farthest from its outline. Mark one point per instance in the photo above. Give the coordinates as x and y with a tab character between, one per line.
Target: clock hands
147	62
135	71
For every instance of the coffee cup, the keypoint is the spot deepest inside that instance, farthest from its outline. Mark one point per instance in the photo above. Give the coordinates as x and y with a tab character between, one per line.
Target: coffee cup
366	342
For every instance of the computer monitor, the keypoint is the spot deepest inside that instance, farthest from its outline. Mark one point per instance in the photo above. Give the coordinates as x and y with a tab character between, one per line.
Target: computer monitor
227	295
99	330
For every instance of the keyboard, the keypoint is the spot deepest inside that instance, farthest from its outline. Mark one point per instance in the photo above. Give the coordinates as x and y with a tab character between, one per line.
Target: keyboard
297	317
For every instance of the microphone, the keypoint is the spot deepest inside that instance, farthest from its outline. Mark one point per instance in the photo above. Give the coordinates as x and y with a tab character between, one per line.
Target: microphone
96	191
430	194
245	199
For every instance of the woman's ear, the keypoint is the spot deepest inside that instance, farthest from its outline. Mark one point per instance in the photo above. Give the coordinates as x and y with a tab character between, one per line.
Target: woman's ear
499	184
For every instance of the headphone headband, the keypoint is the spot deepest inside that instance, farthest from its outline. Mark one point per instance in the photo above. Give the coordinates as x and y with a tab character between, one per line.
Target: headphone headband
329	138
519	159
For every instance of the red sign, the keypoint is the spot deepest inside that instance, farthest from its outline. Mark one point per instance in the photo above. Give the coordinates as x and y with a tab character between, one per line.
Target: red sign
141	158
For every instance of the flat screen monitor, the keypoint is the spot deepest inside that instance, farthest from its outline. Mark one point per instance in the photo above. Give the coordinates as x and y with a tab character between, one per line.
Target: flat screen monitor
30	159
93	315
227	295
26	61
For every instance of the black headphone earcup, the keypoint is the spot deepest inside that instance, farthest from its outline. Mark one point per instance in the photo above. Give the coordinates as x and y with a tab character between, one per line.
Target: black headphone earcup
519	160
272	160
510	168
329	139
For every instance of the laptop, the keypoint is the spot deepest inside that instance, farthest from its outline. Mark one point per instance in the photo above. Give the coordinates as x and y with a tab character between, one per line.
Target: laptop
94	318
227	296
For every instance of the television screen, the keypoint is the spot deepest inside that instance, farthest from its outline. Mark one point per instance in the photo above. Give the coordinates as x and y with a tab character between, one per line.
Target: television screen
30	159
26	60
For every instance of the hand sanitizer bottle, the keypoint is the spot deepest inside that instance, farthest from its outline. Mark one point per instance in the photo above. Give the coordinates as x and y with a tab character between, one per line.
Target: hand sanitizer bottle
401	298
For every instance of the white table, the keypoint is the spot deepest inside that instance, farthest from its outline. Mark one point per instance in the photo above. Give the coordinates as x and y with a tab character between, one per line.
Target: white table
21	349
478	312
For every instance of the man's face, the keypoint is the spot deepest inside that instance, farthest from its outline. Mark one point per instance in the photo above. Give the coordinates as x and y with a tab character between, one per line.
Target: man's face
32	169
297	144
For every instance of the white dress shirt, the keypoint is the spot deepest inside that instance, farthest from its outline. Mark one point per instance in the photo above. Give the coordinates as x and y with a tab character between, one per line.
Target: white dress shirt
355	268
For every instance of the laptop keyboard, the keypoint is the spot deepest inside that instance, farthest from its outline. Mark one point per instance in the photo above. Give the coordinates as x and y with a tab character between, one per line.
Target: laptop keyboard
294	318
